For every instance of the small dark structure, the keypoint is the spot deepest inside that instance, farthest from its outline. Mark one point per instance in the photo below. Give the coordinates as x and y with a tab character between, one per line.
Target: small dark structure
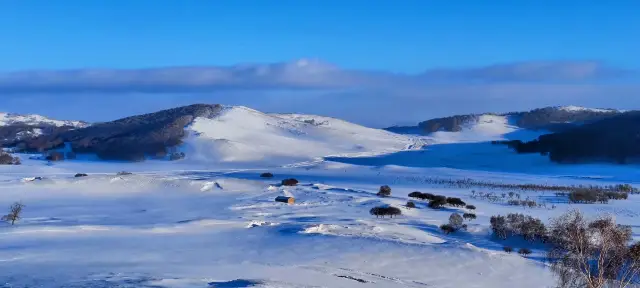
285	199
289	182
55	156
81	175
122	173
266	175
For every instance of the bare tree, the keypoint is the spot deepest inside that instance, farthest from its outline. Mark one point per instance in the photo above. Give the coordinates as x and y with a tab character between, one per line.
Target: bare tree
592	254
14	213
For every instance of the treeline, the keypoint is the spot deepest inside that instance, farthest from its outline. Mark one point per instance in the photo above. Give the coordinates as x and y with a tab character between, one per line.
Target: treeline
471	183
613	139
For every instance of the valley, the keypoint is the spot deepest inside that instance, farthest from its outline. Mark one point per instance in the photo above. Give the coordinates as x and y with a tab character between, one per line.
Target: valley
210	219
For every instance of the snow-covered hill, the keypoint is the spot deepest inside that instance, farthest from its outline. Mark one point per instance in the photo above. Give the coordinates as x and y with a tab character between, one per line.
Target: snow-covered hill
241	134
506	126
16	126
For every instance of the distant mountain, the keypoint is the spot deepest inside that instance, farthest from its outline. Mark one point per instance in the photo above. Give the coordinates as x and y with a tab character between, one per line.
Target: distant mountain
17	126
216	133
615	139
549	119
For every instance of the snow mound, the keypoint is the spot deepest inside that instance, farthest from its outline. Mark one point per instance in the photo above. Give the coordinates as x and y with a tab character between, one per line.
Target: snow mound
487	127
240	134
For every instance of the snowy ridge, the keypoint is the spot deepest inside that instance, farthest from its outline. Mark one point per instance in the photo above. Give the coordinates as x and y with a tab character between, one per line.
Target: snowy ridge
572	108
33	119
241	134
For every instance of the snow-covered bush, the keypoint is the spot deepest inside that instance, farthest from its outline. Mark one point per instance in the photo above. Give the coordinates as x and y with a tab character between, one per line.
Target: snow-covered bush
410	204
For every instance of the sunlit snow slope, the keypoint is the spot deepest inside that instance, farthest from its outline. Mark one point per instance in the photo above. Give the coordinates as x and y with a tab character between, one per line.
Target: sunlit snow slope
486	128
240	134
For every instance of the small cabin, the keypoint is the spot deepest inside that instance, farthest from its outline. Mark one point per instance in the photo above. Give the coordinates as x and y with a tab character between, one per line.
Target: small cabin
285	199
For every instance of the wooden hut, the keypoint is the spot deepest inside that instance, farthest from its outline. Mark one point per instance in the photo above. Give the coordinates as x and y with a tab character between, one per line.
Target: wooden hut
285	199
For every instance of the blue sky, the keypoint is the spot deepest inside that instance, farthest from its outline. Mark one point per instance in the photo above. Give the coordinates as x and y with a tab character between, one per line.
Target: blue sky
370	37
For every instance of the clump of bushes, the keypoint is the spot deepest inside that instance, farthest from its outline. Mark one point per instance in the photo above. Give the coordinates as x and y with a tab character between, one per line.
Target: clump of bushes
266	175
455	202
507	249
7	159
410	204
593	253
469	216
447	229
455	224
123	173
591	196
524	251
438	202
289	182
531	229
385	191
470	207
80	175
385	211
422	196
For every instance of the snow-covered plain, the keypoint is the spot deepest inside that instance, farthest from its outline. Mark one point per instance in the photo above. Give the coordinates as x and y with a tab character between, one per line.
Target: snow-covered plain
205	222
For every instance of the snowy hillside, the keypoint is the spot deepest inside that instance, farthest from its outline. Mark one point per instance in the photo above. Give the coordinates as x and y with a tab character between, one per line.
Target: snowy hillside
241	134
15	126
506	126
32	119
486	128
572	108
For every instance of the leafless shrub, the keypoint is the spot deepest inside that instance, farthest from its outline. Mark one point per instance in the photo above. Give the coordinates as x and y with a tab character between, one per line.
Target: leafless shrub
15	212
592	254
456	221
531	229
507	249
